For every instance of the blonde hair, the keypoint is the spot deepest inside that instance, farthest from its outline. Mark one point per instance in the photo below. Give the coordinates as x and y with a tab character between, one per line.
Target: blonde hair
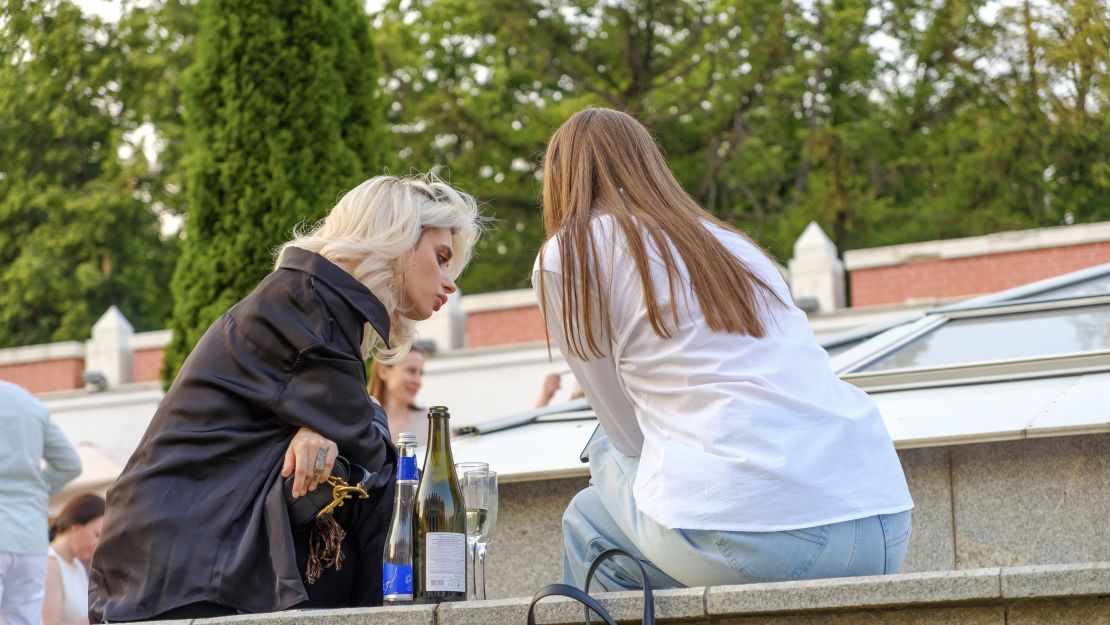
602	161
372	230
376	385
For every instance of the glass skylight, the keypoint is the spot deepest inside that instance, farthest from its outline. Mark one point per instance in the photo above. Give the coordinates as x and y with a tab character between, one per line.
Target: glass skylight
1032	334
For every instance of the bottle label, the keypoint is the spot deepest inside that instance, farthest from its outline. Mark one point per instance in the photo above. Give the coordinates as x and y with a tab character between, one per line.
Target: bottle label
396	581
407	470
445	562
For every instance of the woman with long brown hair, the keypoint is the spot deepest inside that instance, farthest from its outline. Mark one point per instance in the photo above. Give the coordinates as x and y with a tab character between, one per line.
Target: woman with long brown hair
733	452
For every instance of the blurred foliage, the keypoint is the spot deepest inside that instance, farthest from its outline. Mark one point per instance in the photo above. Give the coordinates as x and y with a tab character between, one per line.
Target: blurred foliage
885	122
77	233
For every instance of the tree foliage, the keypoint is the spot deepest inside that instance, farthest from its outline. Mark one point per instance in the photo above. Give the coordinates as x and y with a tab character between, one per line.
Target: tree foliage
886	122
76	235
282	114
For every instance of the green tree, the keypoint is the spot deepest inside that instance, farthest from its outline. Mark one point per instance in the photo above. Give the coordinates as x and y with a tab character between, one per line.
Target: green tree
75	234
886	122
478	88
282	113
157	39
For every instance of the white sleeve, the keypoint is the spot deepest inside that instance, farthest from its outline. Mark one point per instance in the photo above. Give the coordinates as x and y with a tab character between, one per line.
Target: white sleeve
598	376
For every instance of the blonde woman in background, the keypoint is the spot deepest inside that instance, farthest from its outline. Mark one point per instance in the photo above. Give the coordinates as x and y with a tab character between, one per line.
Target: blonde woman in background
74	537
395	387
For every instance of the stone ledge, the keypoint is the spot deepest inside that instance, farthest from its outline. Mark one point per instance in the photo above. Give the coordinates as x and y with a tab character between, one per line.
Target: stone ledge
969	596
935	588
1056	580
400	615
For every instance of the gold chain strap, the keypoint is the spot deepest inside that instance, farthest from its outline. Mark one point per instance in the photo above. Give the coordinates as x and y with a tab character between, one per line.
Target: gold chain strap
340	492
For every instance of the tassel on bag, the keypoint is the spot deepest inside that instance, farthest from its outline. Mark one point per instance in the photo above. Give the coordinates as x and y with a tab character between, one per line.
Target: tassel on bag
323	549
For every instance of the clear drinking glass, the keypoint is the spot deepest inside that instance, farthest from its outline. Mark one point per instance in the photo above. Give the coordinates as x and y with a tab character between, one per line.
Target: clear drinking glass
486	529
461	469
480	496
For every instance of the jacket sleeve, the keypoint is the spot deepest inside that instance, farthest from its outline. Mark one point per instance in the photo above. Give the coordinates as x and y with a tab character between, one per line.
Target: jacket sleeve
325	392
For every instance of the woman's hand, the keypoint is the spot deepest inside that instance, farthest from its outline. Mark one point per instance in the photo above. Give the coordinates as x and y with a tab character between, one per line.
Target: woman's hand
312	457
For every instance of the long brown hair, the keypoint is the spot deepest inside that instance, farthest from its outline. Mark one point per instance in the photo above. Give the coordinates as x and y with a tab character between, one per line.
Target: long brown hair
602	161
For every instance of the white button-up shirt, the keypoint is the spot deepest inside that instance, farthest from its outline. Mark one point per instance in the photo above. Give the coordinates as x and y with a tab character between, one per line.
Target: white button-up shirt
734	433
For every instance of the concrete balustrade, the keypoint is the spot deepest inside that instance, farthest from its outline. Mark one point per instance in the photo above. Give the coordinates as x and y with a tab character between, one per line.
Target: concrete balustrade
1076	594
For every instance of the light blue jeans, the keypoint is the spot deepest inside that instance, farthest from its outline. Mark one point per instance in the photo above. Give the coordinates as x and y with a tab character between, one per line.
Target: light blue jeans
605	516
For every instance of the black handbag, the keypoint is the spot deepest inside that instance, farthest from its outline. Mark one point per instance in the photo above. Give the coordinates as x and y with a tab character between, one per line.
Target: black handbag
347	480
583	596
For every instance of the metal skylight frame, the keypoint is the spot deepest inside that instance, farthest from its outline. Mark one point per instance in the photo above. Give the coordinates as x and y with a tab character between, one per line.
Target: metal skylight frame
850	365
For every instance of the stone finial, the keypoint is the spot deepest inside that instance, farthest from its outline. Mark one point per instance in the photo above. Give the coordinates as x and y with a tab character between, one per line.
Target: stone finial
816	272
109	350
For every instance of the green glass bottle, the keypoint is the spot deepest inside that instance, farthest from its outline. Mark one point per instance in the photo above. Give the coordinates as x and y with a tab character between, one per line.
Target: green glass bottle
439	523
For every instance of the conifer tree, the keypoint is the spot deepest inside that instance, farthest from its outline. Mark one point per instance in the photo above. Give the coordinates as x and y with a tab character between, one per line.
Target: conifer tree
282	114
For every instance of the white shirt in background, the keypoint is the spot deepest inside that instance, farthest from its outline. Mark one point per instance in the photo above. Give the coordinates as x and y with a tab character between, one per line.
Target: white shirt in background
733	433
75	589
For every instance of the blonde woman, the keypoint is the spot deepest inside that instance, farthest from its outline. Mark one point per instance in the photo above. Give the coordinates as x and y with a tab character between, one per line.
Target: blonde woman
733	453
395	387
197	524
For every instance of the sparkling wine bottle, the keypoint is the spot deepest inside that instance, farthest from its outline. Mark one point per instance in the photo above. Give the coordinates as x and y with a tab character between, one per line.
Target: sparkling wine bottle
439	529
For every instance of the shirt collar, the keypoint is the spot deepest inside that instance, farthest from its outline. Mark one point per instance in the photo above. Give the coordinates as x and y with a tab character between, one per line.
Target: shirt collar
369	307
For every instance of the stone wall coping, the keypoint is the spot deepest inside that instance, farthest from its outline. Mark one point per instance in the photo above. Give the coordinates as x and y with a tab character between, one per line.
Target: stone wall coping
974	587
499	300
154	339
62	350
998	243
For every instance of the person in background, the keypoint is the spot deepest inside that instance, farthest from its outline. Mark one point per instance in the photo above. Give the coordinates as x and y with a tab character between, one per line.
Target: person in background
552	382
73	540
28	439
395	387
198	523
733	452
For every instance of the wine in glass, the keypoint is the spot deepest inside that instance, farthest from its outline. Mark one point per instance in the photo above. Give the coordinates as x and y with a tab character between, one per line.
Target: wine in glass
480	522
480	498
461	469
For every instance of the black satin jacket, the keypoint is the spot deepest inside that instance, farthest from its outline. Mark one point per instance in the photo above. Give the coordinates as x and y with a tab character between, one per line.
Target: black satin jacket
198	513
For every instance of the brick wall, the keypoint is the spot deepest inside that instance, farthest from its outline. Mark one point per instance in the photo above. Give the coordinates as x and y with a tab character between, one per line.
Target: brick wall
45	376
146	364
506	326
975	275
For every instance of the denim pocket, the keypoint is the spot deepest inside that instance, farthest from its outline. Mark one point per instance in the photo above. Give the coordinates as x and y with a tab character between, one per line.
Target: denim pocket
772	556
